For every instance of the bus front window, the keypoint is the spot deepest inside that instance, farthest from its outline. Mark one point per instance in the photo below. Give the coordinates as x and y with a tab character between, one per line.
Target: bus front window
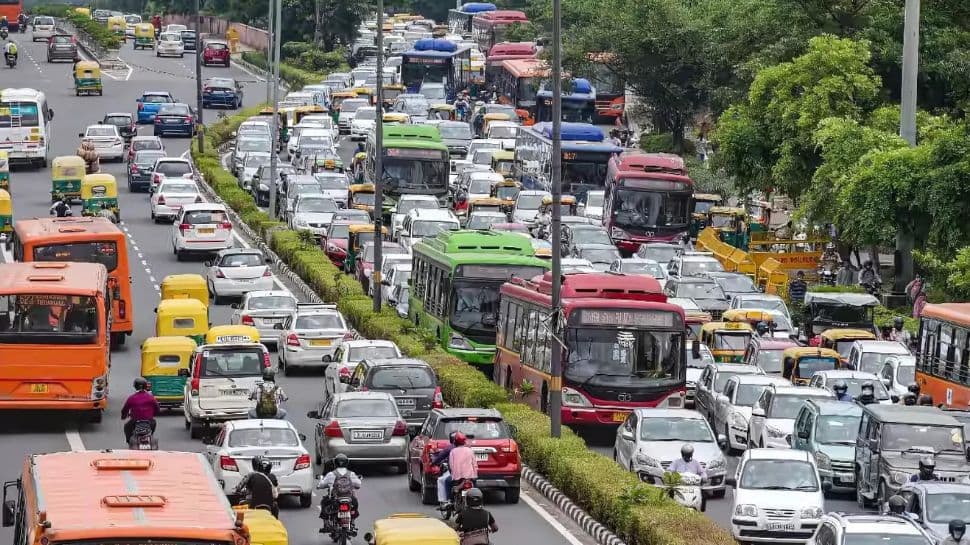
623	357
48	319
415	73
640	209
105	253
409	175
475	310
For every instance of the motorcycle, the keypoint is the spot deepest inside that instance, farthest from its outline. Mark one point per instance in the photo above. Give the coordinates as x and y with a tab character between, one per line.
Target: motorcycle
11	60
143	438
3	33
689	493
458	490
340	521
474	537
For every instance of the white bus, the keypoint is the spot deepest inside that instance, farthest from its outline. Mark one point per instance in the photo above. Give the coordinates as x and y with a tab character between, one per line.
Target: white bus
25	126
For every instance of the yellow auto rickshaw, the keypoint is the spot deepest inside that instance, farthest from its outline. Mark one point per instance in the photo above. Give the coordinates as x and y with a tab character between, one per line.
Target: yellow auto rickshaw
185	286
222	334
361	197
491	204
411	529
358	235
99	193
182	318
144	36
83	11
396	118
751	317
117	26
165	365
87	78
493	117
799	363
6	214
264	528
4	170
727	340
702	203
304	111
444	112
568	206
390	92
67	171
502	163
730	223
841	340
506	190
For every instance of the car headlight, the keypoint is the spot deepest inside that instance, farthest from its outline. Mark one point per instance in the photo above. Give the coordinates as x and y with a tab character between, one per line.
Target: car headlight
900	477
618	233
775	432
573	398
458	342
643	459
811	513
301	223
823	461
738	420
746	510
717	463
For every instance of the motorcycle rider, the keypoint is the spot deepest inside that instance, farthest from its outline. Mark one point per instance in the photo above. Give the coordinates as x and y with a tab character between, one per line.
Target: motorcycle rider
461	466
261	486
461	106
908	399
841	390
444	480
898	333
140	406
868	394
10	50
474	523
927	470
896	504
4	23
61	208
868	278
687	464
269	397
958	530
914	389
762	328
22	22
339	483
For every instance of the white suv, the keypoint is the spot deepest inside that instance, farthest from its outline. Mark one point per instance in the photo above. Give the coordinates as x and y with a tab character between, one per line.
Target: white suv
777	497
202	228
220	385
847	529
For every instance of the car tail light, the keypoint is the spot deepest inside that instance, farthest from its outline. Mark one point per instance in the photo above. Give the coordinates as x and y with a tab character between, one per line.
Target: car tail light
400	429
333	429
161	199
158	120
246	320
220	274
511	447
302	462
344	507
266	363
438	402
184	227
156	178
292	340
226	225
348	336
141	106
267	272
122	309
228	464
196	374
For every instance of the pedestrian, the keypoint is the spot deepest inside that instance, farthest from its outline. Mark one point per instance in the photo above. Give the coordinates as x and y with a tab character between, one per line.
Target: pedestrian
797	288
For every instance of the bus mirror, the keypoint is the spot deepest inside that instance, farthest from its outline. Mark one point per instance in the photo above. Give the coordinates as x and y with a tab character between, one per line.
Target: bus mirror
9	510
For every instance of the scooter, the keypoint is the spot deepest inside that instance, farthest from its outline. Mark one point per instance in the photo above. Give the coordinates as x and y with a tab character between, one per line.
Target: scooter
3	33
142	437
11	60
689	492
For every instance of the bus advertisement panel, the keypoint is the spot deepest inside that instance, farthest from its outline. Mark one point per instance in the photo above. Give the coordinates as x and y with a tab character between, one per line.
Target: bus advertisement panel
489	28
647	199
84	240
54	330
415	162
585	157
455	279
623	346
25	125
942	365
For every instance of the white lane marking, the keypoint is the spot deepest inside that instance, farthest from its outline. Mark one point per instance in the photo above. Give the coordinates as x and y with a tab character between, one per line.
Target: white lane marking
74	440
183	156
556	525
130	72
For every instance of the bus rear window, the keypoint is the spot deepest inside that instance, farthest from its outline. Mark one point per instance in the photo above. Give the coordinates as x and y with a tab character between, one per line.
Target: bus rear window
48	319
18	114
105	253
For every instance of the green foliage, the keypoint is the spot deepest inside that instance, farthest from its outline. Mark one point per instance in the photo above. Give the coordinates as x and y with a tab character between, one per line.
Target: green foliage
954	273
54	10
308	57
98	33
295	77
519	32
664	143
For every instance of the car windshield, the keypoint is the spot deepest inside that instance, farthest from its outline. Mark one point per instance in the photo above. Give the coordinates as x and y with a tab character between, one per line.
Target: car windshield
770	361
174	109
595	199
455	132
254	144
838	430
173	169
264	437
660	254
271	302
366	408
529	201
855	386
599	255
147	157
319	321
480	186
721	379
119	120
779	475
317	206
102	131
44	21
178	188
216	46
748	394
642	267
481	221
771	305
329	181
416	106
502	132
241	260
204	217
233	362
406	205
150	144
433	92
401	378
699	267
256	161
352	105
871	362
786	406
942	508
692	430
431	228
353	216
625	356
359	353
906	374
699	290
736	283
478	428
366	114
315	141
301	189
589	236
157	99
338	232
919	437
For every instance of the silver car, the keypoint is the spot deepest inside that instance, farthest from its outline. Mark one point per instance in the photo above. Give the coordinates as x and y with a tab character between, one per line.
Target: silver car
364	426
250	166
650	439
263	310
310	336
312	212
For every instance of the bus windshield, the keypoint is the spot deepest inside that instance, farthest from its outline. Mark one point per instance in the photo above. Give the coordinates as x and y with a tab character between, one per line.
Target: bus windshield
48	319
408	175
105	253
414	72
636	208
622	357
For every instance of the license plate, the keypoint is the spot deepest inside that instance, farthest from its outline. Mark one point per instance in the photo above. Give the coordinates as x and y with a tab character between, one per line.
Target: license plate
481	456
776	526
38	388
343	514
619	417
272	321
368	435
233	392
145	446
320	342
405	402
206	230
846	477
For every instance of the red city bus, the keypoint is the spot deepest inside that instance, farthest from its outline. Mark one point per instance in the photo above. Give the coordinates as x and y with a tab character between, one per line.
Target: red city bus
647	199
12	9
489	28
610	88
503	52
518	82
623	346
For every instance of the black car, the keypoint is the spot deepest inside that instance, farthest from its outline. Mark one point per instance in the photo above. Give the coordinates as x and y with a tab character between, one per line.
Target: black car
176	118
125	123
412	382
222	93
190	40
140	169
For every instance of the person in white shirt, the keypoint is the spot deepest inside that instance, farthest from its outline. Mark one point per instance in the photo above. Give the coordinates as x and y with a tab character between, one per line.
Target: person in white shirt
687	464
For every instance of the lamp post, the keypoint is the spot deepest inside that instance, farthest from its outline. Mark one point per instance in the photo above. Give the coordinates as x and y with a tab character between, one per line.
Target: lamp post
555	388
275	82
198	76
379	163
903	258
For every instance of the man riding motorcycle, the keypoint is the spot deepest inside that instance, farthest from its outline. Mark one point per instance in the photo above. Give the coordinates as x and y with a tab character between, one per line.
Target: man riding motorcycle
869	279
141	406
867	396
22	22
61	208
474	523
461	466
687	464
10	53
269	397
339	483
261	486
444	480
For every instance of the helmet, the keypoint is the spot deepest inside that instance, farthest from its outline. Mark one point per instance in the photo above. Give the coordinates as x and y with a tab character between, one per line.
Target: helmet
687	452
140	384
926	400
957	529
898	322
459	439
265	466
868	388
840	387
474	498
913	389
909	399
257	462
341	460
926	466
896	504
762	328
268	374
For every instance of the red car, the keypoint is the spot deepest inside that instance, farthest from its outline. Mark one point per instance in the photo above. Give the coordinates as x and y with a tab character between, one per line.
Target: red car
334	242
364	266
215	52
499	464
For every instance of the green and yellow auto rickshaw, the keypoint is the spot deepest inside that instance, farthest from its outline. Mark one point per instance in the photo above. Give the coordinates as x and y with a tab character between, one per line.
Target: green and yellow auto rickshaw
99	193
4	170
144	36
117	26
731	225
67	171
165	365
87	78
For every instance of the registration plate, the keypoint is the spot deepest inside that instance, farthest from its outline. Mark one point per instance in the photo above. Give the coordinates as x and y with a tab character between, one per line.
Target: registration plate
619	417
343	514
481	456
405	402
206	230
776	526
320	342
233	392
145	446
375	435
845	477
38	388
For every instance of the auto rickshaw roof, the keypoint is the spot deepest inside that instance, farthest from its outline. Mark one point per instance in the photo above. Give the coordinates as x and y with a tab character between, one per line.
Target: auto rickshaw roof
806	351
232	334
563	199
747	314
487	201
841	334
98	178
185	305
168	342
840	298
728	210
706	197
362	188
413	529
86	65
728	326
363	228
190	279
503	155
68	161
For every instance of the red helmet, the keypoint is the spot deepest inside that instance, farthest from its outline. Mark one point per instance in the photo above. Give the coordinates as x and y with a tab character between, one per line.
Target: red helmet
459	439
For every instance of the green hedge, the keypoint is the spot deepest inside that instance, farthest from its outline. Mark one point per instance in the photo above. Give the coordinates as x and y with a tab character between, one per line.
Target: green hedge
97	32
53	10
638	513
295	77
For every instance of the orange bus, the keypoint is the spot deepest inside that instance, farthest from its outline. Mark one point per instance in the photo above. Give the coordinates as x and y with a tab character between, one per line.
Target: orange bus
54	329
11	9
943	354
518	82
125	497
86	240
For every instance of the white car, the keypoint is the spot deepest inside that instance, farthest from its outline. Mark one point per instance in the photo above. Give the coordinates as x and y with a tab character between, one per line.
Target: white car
202	228
777	497
365	119
251	163
503	131
638	265
43	28
761	301
310	335
170	45
237	271
312	213
175	28
854	381
107	141
592	208
167	201
232	451
898	373
869	356
422	223
732	407
321	121
264	310
576	265
349	354
527	205
396	275
348	109
480	144
311	138
170	167
772	421
219	389
407	203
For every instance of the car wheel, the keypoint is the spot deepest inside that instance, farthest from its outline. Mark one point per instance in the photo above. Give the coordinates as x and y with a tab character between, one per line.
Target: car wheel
195	432
429	494
179	256
512	495
719	494
316	456
283	367
188	423
306	500
413	485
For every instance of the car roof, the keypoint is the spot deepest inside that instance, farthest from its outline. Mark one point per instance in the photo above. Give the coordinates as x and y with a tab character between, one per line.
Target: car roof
735	367
237	251
118	114
361	343
100	125
346	396
872	523
693	280
154	93
760	379
777	454
773	344
830	406
757	297
146	137
635	259
940	487
882	347
595	246
433	214
688	257
464	412
845	373
255	423
912	414
397	362
651	412
203	206
801	391
170	159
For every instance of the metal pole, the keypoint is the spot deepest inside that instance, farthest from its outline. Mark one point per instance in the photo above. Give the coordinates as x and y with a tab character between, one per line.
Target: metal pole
555	389
269	51
379	162
198	74
275	82
905	242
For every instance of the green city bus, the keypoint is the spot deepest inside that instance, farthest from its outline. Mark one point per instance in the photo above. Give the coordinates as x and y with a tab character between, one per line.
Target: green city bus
455	283
415	162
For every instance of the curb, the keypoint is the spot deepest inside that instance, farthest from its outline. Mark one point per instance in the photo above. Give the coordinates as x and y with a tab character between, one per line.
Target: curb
591	526
249	67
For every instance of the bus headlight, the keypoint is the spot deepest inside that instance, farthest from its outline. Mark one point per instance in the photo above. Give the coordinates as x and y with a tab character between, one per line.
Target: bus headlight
573	398
457	342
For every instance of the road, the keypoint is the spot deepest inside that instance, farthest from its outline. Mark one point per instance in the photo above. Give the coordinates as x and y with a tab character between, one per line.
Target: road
383	493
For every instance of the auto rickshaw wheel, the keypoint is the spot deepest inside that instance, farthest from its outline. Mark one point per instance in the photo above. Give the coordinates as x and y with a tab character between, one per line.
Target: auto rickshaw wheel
77	92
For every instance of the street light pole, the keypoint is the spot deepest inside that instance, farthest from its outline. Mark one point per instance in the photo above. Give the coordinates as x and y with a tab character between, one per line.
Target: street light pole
379	163
555	388
903	258
275	82
269	51
198	75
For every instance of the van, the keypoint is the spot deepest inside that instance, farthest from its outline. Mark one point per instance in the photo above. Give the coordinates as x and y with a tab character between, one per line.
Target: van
223	375
828	429
868	356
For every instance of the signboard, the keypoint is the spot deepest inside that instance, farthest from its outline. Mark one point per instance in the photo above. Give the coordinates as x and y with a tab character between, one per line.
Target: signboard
624	318
794	260
499	272
48	300
414	153
656	185
586	156
429	60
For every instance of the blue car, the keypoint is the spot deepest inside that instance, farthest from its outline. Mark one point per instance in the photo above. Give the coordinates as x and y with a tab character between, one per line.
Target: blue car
177	119
150	102
222	93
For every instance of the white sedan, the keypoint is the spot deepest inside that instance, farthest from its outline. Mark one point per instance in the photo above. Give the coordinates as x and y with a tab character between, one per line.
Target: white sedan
237	271
349	354
231	453
107	141
167	200
310	335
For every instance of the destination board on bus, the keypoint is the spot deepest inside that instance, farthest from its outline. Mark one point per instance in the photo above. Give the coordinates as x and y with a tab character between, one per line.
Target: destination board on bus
429	60
414	153
499	272
586	156
606	317
656	185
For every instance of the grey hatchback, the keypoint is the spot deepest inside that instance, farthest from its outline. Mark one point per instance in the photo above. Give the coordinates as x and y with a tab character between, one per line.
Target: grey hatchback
412	382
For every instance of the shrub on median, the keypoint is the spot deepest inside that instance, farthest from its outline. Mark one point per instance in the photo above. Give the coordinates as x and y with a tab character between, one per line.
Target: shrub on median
295	77
96	32
612	495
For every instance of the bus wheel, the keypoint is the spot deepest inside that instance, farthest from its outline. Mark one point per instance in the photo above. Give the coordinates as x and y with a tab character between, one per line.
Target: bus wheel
94	416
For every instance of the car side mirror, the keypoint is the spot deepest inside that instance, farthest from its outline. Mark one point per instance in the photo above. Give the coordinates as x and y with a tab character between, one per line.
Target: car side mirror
183	372
758	411
626	436
722	441
234	306
731	481
9	512
302	436
803	434
50	114
278	326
